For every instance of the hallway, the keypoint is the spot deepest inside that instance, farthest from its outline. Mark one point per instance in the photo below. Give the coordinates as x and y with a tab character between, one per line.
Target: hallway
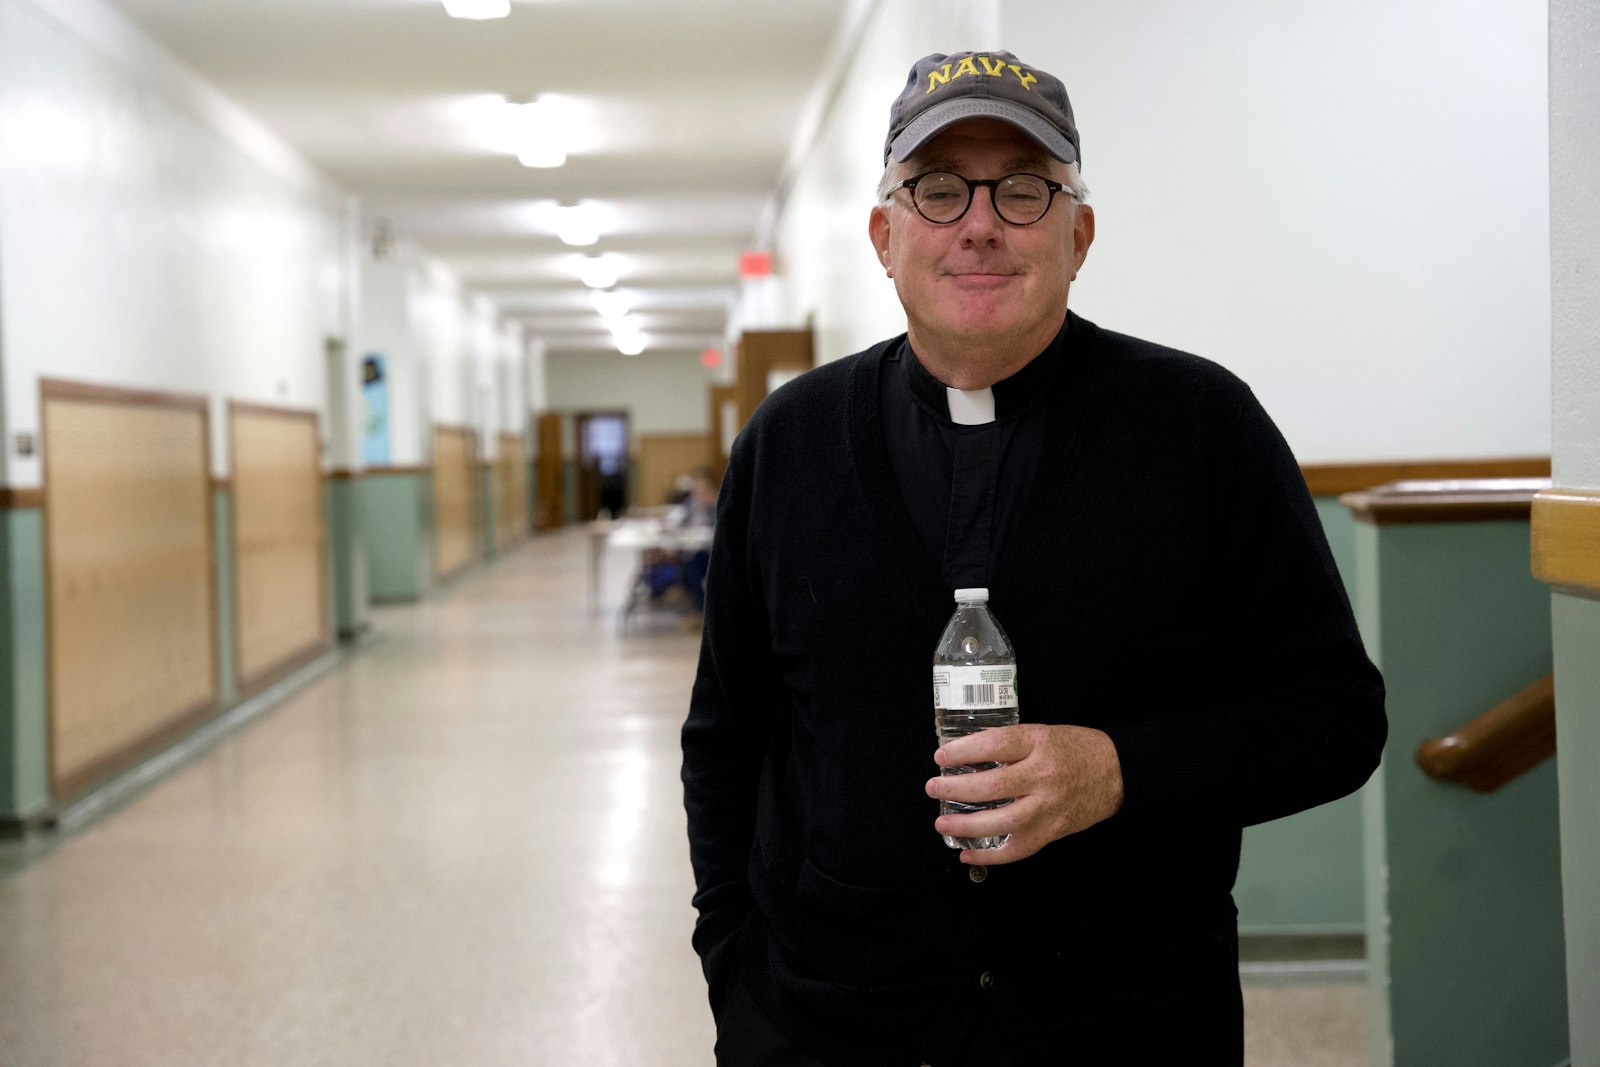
377	871
384	870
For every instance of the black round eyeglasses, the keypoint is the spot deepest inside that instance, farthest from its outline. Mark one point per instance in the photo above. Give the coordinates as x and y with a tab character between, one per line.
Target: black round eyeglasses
1020	199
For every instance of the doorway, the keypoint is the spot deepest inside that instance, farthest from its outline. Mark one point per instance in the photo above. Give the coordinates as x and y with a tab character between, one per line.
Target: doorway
602	463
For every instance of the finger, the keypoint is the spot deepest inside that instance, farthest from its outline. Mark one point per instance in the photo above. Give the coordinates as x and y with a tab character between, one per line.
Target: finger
999	744
1012	818
1018	848
996	783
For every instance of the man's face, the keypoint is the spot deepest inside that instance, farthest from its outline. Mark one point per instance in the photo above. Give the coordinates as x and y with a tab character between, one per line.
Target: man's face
980	280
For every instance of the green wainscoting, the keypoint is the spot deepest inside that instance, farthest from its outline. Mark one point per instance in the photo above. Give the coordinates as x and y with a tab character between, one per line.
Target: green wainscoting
1576	623
1303	874
487	512
396	508
347	555
24	701
1463	895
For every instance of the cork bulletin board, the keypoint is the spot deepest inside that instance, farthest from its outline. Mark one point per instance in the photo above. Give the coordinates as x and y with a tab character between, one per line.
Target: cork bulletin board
511	491
130	562
455	498
280	540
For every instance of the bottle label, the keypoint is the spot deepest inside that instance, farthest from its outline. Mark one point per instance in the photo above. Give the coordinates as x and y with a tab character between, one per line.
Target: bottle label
975	688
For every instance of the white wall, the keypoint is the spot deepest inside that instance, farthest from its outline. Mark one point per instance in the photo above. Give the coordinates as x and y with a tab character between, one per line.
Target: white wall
150	237
1345	203
829	270
1575	239
1575	249
664	392
384	327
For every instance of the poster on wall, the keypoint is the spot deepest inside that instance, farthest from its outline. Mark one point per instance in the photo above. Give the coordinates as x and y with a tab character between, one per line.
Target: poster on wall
375	428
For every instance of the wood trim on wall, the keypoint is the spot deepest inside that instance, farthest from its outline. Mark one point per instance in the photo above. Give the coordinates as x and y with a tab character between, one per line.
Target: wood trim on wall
1566	539
1455	500
376	472
1334	479
21	499
61	389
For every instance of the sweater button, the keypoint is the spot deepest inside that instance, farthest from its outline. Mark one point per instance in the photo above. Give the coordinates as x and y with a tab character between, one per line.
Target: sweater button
986	980
977	874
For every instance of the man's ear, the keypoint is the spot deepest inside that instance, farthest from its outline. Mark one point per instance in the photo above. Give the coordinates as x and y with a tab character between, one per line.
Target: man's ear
1082	236
878	232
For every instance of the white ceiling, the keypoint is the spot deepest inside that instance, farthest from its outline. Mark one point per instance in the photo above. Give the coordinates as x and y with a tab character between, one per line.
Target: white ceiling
690	108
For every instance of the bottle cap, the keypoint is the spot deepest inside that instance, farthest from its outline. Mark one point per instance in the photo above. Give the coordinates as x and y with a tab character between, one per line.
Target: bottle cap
980	595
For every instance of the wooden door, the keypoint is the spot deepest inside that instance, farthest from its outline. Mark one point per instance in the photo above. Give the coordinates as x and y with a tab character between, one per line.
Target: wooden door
549	508
763	356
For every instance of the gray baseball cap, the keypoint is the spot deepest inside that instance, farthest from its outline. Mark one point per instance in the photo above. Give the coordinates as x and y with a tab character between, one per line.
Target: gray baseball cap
944	90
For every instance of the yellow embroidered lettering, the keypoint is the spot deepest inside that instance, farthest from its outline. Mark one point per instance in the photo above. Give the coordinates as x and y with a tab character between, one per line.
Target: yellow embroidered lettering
938	78
1026	79
992	67
967	67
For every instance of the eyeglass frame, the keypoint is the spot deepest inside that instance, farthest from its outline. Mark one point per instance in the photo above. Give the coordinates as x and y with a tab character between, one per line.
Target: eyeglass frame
992	184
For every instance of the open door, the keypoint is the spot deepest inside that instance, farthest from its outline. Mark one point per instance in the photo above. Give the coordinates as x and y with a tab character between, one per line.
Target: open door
602	463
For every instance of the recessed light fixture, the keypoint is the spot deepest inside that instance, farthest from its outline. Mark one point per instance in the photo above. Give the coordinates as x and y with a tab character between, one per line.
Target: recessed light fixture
477	9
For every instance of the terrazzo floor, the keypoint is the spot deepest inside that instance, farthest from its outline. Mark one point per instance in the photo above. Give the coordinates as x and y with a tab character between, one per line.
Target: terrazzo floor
462	845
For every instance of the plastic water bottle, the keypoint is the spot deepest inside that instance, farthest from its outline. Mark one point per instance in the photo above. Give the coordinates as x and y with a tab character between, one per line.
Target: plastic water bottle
974	688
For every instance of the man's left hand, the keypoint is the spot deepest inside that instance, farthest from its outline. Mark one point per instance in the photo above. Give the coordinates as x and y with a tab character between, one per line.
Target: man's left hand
1064	778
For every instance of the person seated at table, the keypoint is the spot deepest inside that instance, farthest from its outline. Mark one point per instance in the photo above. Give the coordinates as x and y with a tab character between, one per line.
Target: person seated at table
700	509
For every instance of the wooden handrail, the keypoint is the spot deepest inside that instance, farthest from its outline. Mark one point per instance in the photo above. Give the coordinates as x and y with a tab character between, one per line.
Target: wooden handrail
1458	500
1509	739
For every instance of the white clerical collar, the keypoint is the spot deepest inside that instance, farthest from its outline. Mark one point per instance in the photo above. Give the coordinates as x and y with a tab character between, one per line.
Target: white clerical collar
970	407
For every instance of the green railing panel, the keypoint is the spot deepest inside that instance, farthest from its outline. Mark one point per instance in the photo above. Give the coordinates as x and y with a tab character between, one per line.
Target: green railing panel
1464	924
1576	622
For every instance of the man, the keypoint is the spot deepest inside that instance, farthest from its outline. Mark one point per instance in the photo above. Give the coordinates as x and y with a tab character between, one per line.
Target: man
1186	656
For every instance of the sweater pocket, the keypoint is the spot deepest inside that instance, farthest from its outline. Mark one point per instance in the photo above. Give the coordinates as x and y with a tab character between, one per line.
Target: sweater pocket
858	937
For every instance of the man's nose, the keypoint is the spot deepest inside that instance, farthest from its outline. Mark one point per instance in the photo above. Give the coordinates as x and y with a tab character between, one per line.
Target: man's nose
981	223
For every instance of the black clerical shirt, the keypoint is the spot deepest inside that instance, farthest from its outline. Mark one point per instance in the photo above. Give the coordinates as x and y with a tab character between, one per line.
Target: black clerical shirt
964	485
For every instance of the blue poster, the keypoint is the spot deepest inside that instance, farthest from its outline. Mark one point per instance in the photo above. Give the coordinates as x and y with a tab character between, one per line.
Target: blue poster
375	430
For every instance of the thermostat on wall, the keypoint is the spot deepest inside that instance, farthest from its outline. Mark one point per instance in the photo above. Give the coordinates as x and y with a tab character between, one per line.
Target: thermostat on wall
25	443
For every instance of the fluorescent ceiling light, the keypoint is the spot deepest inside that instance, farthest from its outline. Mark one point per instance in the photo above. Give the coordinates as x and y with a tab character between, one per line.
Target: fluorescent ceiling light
477	9
541	131
598	272
544	154
624	328
612	306
577	225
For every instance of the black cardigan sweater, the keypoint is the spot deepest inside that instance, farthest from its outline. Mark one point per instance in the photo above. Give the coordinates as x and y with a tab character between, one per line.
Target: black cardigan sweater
1166	580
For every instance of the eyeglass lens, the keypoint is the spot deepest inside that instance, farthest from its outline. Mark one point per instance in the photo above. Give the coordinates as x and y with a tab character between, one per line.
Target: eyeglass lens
1018	198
